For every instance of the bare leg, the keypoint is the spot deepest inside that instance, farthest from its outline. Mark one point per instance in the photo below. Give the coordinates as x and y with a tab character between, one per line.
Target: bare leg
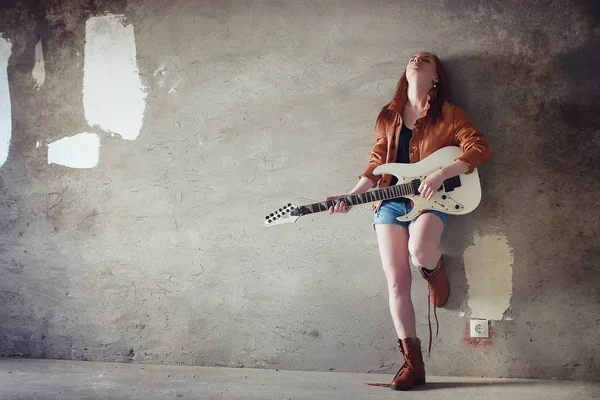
424	243
393	249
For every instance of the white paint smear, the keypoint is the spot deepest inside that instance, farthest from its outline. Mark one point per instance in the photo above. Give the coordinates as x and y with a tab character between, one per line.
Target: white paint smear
488	266
174	88
5	108
39	69
79	151
113	95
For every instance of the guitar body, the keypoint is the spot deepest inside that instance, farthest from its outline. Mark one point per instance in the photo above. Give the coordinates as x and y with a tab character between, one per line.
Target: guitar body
458	195
458	201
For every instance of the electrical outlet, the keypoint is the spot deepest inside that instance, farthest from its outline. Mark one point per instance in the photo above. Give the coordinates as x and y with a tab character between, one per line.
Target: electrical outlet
479	328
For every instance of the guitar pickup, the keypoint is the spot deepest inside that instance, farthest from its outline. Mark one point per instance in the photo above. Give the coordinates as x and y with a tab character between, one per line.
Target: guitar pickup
415	186
452	183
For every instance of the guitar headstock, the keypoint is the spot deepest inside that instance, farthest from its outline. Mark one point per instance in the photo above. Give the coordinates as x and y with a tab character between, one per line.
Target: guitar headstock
285	215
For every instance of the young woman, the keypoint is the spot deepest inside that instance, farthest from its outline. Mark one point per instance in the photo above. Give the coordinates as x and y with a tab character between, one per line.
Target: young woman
418	121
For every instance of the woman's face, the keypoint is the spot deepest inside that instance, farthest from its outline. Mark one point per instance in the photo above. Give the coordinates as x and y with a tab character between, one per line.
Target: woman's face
422	66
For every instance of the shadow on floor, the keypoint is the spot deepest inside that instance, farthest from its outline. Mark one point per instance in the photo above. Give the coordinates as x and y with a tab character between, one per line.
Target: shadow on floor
450	385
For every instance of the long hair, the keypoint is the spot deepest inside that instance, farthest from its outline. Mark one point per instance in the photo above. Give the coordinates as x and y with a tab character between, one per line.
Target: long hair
438	95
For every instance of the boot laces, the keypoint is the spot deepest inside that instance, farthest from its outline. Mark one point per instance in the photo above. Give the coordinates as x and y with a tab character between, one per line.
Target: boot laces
437	324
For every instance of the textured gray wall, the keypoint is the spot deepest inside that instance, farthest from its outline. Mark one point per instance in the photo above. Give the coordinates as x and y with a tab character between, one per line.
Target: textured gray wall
158	255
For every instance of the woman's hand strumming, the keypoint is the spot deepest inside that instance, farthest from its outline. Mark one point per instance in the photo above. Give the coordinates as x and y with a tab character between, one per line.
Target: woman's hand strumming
431	184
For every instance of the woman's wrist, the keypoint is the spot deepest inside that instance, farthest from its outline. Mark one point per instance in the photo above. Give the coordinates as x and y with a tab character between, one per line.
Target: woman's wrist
456	168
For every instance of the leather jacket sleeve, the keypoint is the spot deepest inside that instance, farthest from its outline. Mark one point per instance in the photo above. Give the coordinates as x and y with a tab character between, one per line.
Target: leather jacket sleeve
378	155
473	143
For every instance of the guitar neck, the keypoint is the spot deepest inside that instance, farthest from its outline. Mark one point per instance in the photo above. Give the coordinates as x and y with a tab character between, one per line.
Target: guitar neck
388	193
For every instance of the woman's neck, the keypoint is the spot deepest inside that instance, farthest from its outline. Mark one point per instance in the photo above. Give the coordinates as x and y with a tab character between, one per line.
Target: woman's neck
417	95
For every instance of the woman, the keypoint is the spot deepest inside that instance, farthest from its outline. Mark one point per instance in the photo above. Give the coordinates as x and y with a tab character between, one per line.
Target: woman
417	122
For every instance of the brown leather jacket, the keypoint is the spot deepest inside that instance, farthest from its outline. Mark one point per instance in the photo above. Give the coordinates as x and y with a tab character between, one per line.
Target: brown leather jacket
453	128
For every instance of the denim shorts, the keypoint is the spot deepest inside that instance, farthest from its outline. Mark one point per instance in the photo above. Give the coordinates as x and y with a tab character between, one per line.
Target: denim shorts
392	209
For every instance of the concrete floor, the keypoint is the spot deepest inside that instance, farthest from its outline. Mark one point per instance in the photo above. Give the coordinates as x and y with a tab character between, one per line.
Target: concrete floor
50	379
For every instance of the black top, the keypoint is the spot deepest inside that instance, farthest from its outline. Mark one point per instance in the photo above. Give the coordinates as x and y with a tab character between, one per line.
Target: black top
403	148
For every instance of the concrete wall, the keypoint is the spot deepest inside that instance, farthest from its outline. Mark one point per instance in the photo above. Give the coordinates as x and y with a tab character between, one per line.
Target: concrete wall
157	254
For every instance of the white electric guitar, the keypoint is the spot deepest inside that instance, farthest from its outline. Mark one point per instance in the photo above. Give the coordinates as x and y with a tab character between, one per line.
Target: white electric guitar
458	195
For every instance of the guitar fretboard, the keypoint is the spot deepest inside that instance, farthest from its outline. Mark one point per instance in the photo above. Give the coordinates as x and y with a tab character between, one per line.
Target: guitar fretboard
388	193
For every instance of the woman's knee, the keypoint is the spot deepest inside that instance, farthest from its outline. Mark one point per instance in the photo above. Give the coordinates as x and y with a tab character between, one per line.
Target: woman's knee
421	254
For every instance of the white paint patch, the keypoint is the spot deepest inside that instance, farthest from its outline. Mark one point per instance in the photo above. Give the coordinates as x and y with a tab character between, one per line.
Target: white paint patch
5	107
488	266
39	69
79	151
113	95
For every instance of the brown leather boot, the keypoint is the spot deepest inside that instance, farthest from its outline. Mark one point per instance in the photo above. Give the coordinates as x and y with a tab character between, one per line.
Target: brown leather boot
412	373
439	290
